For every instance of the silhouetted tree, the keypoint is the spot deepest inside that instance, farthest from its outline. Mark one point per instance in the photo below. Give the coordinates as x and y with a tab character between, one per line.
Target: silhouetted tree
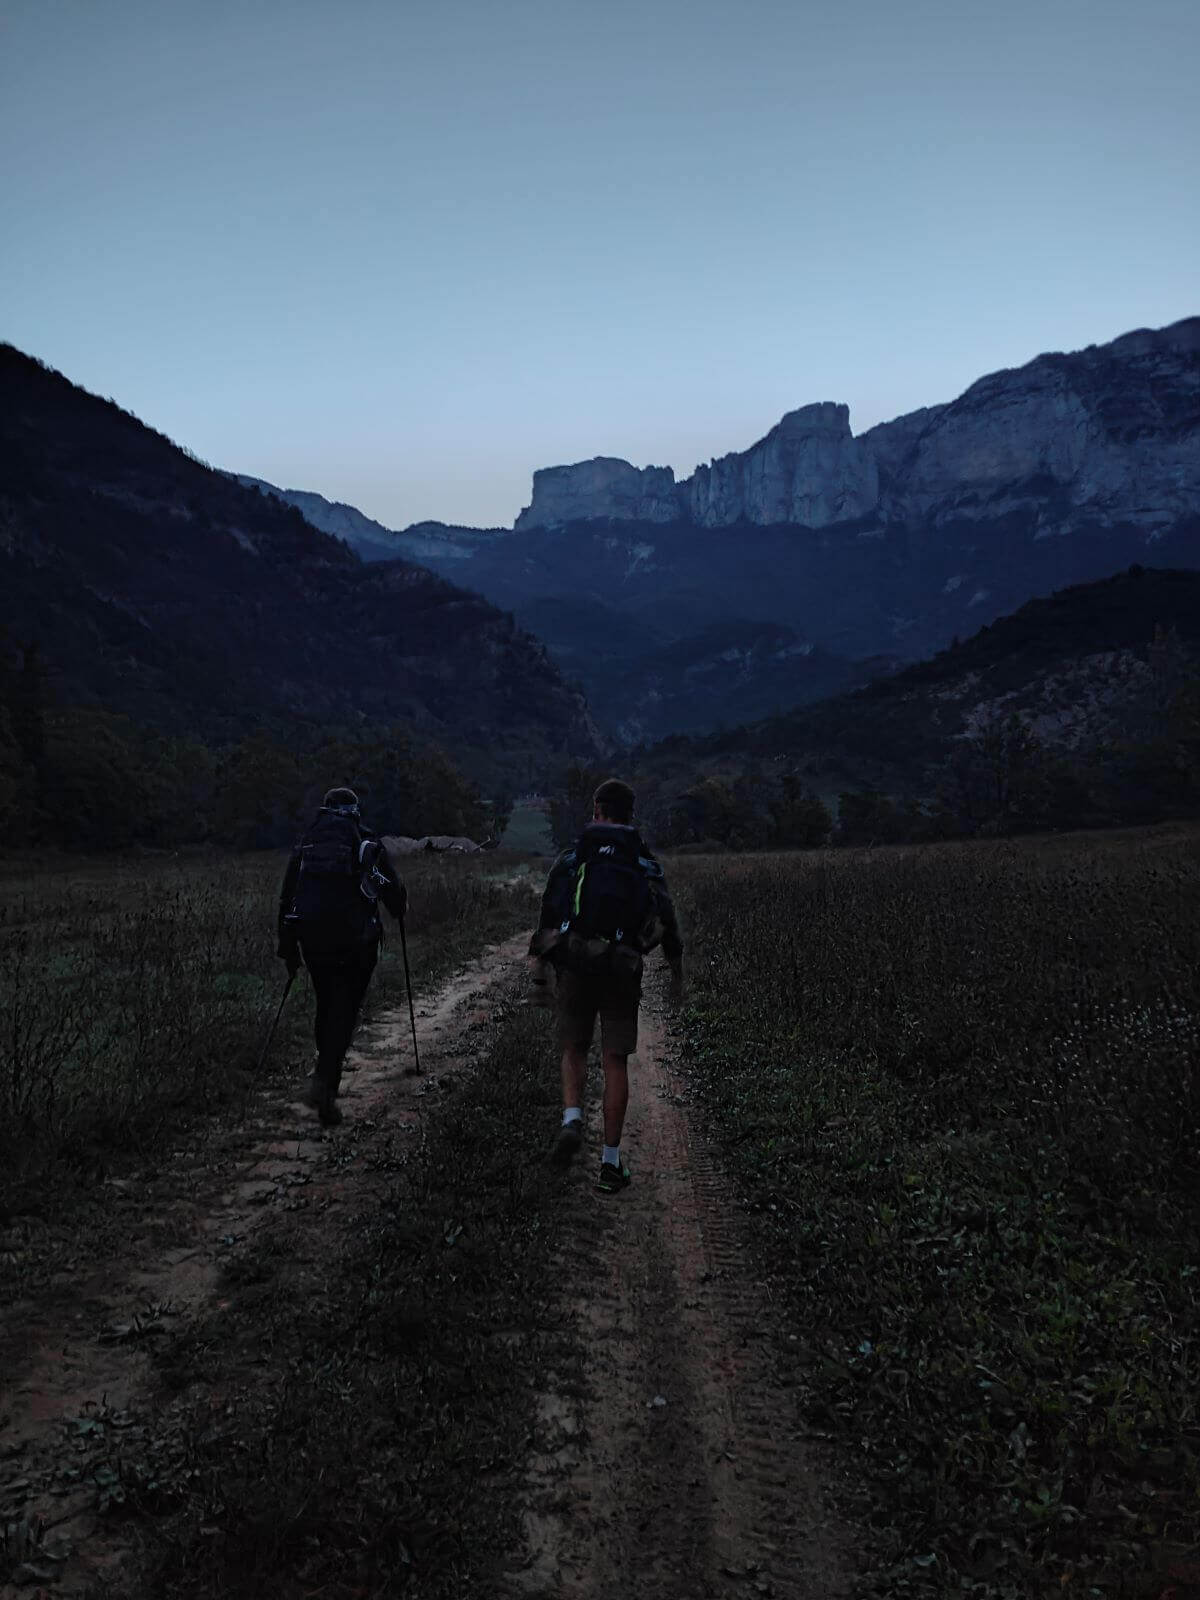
801	817
27	705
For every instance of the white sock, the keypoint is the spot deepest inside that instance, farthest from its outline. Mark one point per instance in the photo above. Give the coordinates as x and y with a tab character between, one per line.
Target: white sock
572	1114
612	1155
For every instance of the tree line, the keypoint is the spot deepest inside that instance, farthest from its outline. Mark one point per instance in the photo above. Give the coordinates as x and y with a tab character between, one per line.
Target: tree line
1136	761
80	778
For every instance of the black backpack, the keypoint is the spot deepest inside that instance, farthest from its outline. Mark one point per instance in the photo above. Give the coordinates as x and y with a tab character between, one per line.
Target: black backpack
610	900
335	911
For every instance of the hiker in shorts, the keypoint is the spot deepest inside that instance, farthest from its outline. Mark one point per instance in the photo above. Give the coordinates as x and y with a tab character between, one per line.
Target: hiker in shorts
605	907
336	878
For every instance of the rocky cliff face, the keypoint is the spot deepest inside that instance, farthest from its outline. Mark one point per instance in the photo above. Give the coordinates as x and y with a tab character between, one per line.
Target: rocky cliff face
809	469
602	488
1107	436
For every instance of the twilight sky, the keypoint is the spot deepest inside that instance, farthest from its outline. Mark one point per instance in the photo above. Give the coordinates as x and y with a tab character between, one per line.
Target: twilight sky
404	253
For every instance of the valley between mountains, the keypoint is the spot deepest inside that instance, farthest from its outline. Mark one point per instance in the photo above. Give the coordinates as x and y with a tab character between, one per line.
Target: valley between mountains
816	559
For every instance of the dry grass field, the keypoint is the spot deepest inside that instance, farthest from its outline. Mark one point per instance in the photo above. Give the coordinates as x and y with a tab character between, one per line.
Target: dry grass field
936	1107
957	1086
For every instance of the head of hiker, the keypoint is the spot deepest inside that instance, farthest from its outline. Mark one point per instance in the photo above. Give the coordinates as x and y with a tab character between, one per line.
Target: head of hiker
605	908
342	802
338	877
613	802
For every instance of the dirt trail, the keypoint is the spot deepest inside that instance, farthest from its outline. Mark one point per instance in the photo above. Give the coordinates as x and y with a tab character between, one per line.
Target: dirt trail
665	1463
80	1359
670	1468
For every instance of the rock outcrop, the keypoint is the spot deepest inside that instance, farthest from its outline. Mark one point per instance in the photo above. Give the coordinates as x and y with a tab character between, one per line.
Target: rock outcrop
1107	436
441	843
810	469
604	487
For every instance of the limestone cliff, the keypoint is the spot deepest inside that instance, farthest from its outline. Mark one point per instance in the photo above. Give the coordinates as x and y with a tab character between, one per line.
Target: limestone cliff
1107	436
601	488
809	469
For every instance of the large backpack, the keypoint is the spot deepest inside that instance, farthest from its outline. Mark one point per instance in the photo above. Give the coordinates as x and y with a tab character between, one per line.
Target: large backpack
335	912
610	901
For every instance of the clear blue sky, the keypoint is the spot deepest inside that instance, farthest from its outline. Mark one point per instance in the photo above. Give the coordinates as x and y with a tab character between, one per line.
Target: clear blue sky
404	253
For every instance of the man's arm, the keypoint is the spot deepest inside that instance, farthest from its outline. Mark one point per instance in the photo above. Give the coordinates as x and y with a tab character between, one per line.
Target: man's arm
672	942
555	898
546	935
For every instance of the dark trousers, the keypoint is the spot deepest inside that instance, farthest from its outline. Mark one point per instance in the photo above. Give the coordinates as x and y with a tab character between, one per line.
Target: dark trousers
339	987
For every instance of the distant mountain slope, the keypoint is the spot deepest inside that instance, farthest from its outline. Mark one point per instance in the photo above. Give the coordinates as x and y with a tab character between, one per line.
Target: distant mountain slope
882	545
1059	472
423	541
748	669
1073	666
369	540
159	587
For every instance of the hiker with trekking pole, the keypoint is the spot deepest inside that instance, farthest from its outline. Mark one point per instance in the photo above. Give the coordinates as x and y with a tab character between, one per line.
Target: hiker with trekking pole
605	907
336	878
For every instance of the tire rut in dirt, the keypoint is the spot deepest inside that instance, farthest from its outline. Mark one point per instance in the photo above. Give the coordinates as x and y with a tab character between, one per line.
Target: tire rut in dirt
674	1469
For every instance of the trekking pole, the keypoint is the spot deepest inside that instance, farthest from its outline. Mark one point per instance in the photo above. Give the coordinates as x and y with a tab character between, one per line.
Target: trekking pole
412	1016
286	991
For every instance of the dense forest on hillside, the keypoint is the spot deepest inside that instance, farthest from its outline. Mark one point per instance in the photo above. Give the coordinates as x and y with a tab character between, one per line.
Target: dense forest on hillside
155	587
1079	710
77	778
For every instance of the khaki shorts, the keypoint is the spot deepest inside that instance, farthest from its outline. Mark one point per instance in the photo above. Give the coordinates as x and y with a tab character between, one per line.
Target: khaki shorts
614	999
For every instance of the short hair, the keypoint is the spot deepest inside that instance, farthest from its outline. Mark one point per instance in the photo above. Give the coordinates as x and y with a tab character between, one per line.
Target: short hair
615	799
340	800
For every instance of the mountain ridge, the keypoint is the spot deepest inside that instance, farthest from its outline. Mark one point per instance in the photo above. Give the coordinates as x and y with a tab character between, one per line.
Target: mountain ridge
159	587
1063	470
811	470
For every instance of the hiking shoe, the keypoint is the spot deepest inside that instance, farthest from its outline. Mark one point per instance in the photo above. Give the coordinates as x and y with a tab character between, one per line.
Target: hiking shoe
613	1179
312	1092
328	1113
566	1146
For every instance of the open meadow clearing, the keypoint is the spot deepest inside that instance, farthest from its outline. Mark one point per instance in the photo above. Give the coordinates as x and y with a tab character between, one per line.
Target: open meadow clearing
902	1300
958	1087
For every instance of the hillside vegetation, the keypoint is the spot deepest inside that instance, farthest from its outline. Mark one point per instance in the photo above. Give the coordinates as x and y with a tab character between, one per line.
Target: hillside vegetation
1079	709
156	588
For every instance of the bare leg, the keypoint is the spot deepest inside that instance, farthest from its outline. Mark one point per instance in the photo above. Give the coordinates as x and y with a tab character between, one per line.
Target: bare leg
616	1095
574	1074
